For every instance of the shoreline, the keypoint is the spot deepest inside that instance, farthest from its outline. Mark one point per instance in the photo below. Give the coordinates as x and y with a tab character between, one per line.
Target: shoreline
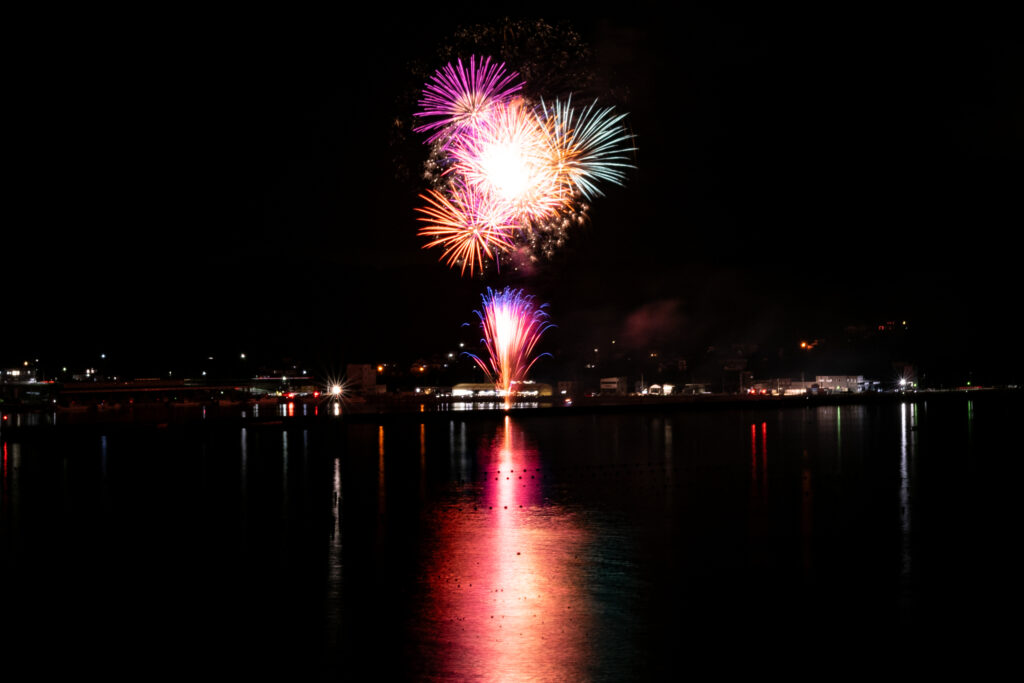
33	420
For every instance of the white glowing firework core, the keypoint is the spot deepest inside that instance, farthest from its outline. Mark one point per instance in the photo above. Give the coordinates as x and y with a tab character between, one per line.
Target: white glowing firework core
507	170
509	158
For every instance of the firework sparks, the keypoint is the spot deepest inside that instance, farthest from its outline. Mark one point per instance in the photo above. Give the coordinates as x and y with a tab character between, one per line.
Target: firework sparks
457	97
512	326
467	225
591	143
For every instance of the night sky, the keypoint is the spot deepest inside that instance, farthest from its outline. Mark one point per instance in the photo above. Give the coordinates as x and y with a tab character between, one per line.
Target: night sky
191	184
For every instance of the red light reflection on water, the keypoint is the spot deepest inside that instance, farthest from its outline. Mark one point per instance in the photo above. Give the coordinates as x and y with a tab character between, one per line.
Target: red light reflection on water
506	594
758	482
753	452
764	460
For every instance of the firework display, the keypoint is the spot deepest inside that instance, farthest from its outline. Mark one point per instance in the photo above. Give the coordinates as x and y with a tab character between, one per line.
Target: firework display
511	175
512	324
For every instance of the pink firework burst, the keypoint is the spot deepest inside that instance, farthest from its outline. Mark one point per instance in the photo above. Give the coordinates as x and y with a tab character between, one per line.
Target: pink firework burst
458	97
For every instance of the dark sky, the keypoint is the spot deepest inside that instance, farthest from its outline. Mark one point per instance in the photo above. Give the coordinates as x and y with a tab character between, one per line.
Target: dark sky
189	183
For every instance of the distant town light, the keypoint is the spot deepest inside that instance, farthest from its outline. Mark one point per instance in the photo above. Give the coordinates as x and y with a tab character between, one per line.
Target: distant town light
242	356
336	389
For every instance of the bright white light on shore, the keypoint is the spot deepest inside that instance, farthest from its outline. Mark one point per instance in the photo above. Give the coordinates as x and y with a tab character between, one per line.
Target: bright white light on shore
336	389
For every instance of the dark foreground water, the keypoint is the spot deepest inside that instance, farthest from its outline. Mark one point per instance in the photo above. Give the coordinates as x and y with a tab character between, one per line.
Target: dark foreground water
809	541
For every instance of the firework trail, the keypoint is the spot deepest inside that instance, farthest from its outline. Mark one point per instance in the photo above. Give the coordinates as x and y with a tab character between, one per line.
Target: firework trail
512	326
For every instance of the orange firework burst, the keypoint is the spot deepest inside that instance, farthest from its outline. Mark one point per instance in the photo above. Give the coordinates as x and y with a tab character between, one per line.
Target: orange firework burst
468	225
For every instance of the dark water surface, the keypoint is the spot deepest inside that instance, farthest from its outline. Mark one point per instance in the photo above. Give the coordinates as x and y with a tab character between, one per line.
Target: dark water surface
605	547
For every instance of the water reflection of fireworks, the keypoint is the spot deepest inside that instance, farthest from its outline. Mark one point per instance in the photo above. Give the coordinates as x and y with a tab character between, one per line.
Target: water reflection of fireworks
505	594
